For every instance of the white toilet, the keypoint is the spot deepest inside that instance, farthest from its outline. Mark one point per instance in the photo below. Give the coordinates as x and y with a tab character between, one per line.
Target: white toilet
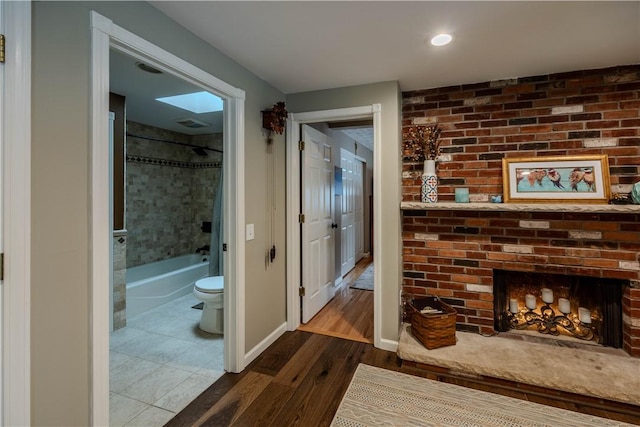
210	290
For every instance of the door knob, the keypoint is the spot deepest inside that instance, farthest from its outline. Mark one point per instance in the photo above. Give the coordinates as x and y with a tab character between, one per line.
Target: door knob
333	225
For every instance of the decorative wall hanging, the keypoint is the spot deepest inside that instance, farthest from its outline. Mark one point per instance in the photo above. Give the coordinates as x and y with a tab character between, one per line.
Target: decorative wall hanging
559	179
274	120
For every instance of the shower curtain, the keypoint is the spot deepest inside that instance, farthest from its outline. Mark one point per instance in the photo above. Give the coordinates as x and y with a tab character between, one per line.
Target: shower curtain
216	260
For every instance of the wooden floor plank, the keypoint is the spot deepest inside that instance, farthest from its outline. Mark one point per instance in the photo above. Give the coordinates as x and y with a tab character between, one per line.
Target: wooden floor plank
277	355
349	314
231	406
298	366
266	407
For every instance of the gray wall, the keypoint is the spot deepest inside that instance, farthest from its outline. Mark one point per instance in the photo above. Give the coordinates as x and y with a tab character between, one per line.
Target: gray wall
387	246
60	318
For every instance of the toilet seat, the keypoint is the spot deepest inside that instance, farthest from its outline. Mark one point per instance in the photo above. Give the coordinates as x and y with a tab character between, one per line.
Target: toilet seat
210	285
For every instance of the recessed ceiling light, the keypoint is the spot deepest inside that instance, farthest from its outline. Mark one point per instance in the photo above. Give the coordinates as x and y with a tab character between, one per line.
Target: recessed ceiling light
199	102
441	39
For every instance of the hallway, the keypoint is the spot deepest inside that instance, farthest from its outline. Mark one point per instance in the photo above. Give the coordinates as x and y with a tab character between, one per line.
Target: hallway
349	314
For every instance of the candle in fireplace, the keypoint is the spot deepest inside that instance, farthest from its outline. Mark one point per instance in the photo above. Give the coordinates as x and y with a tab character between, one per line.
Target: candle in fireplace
513	305
584	314
530	301
564	305
547	295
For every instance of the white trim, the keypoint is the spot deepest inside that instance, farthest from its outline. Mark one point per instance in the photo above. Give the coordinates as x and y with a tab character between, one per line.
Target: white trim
234	219
388	345
101	235
265	343
293	203
16	300
377	224
105	35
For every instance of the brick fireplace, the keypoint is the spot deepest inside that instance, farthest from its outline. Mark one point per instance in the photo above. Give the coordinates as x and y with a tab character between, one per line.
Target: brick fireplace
452	250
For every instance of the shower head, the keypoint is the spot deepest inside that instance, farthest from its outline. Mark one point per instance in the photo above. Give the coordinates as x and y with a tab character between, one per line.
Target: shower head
200	151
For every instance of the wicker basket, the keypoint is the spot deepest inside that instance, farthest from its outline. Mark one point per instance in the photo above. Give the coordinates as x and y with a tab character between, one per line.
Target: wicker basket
433	330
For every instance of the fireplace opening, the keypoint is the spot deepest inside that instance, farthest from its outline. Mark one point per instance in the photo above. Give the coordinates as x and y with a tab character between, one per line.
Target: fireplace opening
588	309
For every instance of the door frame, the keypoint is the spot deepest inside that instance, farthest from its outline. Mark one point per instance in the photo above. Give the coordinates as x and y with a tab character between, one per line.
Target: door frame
293	205
16	169
106	35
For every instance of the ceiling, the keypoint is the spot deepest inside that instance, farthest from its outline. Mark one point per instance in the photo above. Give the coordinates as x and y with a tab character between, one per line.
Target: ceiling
301	46
141	89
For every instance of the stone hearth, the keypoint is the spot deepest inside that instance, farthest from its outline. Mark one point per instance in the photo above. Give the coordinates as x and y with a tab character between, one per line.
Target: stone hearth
606	373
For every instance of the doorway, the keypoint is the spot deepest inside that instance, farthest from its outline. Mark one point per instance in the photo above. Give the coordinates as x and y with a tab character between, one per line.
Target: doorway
167	346
294	249
105	36
334	165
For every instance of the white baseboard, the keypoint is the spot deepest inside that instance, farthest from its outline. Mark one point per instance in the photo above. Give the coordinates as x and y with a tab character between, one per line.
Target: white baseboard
388	345
264	344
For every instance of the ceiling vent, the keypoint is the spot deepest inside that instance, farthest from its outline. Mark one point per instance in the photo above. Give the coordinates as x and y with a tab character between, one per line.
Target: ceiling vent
148	68
192	123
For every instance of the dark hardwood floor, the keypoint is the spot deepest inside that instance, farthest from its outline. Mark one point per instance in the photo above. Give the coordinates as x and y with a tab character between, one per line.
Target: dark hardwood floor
298	381
301	378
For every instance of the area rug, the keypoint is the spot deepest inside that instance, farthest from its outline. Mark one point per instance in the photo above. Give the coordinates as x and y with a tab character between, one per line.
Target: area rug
365	281
379	397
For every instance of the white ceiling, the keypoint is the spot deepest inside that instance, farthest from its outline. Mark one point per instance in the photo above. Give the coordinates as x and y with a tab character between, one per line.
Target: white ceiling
302	46
141	89
305	45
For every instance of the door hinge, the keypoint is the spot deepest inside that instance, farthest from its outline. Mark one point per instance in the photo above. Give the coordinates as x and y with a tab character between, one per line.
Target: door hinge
301	218
1	47
301	291
2	266
301	145
224	247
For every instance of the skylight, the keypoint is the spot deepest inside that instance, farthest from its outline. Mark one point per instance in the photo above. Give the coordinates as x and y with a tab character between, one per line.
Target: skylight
198	102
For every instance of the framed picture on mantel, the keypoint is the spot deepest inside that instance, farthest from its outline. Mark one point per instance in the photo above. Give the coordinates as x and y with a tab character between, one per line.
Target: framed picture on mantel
558	179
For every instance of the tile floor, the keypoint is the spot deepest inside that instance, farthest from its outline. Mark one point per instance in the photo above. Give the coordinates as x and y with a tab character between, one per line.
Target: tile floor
159	363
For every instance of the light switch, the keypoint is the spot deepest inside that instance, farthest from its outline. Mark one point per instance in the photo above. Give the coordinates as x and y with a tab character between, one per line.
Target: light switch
250	232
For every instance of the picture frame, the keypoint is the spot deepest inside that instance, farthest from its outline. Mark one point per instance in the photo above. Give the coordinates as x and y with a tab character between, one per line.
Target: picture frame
556	179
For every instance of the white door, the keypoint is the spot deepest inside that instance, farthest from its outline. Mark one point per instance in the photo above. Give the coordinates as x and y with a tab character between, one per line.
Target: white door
352	224
347	236
2	127
317	233
358	208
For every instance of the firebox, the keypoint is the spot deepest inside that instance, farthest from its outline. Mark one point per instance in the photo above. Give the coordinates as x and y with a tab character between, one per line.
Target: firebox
579	307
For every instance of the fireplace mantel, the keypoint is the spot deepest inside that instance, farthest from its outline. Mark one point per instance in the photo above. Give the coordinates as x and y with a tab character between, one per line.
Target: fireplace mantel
520	207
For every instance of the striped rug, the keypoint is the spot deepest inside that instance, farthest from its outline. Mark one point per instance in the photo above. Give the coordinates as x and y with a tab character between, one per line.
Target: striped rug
379	397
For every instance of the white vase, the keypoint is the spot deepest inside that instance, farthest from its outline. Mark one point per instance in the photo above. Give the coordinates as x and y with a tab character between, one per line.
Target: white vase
429	187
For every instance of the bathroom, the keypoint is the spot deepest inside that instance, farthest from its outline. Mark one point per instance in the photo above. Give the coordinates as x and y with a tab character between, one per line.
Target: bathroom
167	241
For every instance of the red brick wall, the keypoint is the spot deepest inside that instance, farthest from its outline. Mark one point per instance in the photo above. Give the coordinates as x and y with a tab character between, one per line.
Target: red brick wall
452	253
583	112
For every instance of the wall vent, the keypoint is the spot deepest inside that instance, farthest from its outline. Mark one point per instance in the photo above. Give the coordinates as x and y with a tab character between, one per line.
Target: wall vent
192	123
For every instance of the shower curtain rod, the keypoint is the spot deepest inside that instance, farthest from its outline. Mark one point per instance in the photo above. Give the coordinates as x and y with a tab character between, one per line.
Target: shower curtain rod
175	142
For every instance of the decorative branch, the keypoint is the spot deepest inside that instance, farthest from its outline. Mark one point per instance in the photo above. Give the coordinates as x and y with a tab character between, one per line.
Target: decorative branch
421	143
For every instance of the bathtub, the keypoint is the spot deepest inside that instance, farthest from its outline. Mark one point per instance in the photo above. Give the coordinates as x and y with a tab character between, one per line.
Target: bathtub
157	283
